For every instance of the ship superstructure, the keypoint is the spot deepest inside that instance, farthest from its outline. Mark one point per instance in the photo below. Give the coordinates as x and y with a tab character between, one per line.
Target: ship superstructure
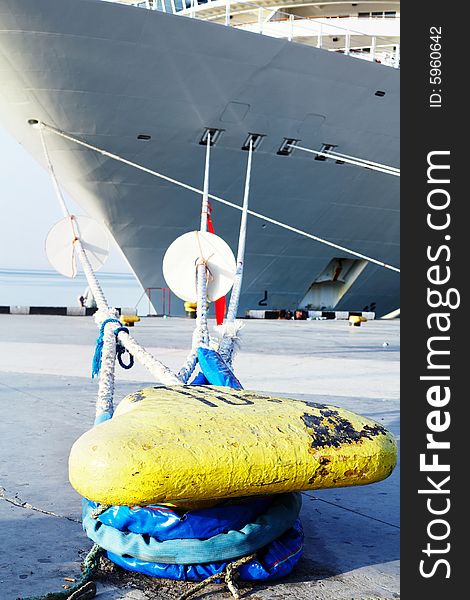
369	30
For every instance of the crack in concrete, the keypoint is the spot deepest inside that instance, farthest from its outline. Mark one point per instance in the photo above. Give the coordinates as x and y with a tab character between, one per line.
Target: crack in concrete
351	510
16	501
10	387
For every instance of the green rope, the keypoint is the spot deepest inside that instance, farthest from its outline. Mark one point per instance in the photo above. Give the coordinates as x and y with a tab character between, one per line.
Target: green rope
84	589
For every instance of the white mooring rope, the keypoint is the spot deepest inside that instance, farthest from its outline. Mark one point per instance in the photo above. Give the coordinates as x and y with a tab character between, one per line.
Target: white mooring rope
366	161
217	198
352	160
235	295
201	332
202	267
161	373
231	327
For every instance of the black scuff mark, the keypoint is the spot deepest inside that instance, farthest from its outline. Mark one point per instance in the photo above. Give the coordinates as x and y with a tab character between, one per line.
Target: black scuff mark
329	429
319	474
314	404
137	396
322	471
272	482
256	396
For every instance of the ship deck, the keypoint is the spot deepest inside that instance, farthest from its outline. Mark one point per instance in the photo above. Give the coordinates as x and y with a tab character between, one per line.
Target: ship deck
47	401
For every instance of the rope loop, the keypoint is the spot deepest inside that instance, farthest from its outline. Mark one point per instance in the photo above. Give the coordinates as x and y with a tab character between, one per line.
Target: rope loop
120	350
121	328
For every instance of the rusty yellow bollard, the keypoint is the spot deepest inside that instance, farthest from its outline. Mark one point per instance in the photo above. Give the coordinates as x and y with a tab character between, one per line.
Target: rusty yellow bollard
129	320
356	320
190	308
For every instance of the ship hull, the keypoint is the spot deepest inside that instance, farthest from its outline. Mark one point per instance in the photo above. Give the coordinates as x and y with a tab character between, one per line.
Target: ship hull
107	73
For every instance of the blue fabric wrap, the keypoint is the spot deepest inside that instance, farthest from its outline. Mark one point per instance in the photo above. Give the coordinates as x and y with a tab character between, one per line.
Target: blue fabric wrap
102	417
216	370
273	562
164	523
274	522
200	379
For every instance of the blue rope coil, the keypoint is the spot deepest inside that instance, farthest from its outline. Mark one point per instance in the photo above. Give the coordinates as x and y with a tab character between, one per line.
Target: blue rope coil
120	350
96	362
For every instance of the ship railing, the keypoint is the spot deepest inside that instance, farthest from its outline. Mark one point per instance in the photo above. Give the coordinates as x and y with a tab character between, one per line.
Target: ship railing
375	38
159	301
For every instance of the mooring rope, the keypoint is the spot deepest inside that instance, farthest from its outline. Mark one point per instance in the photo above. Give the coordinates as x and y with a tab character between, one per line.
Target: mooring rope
191	188
235	295
84	589
228	573
113	341
352	160
97	357
366	161
201	336
50	168
106	383
120	350
231	328
202	268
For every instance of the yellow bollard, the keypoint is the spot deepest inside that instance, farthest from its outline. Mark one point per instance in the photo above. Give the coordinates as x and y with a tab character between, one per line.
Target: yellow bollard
129	320
356	320
181	444
190	308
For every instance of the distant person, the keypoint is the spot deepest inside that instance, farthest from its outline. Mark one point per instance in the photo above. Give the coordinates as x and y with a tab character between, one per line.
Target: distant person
88	300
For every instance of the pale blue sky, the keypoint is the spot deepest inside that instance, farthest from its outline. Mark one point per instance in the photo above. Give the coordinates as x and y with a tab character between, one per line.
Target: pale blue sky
28	209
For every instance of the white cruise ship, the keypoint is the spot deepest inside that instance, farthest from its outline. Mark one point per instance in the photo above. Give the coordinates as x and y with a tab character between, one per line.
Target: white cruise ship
147	81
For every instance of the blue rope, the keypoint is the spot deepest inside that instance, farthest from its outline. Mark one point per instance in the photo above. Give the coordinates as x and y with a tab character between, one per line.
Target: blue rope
120	350
96	362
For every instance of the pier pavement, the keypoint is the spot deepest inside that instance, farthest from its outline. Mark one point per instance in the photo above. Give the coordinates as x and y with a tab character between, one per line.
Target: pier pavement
47	401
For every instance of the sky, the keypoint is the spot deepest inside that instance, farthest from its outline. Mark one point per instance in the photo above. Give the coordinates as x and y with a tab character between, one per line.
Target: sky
28	210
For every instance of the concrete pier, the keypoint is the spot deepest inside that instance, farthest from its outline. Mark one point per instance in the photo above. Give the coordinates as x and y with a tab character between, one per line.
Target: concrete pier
47	400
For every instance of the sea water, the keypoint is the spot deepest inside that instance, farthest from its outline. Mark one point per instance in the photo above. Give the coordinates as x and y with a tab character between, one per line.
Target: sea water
49	288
